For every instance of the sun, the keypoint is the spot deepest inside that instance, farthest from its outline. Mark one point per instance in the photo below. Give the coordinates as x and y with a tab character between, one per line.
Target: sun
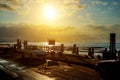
50	12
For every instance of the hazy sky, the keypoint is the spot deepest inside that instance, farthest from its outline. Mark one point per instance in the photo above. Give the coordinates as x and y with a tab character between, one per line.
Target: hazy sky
63	20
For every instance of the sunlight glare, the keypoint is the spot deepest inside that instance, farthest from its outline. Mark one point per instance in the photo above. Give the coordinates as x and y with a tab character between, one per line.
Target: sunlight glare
50	12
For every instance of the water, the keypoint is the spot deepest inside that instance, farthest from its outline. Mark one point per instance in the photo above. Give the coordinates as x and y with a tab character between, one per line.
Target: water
70	44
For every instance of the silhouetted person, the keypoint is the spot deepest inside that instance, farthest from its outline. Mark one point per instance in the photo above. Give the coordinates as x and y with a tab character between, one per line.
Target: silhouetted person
74	49
106	54
91	52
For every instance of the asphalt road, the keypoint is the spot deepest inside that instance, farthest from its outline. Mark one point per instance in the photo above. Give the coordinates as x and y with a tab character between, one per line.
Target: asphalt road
52	70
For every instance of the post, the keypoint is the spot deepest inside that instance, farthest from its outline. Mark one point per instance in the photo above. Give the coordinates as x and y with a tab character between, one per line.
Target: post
62	48
18	44
92	52
113	45
77	51
25	43
89	51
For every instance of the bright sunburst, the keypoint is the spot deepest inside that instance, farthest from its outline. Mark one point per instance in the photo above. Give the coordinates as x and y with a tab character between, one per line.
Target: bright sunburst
50	12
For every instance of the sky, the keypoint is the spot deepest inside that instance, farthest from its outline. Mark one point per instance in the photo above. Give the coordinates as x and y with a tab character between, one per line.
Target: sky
62	20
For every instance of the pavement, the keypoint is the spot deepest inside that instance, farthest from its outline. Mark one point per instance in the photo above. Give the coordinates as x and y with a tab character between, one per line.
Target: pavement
51	70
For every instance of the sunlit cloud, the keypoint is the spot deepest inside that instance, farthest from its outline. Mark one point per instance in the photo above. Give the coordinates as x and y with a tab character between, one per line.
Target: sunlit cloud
86	33
8	4
27	7
73	4
14	2
71	1
101	3
5	7
69	12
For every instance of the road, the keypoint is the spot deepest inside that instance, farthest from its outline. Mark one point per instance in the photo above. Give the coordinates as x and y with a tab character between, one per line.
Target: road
52	70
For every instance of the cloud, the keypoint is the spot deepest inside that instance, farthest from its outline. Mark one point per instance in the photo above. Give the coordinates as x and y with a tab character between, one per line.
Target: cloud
29	7
71	1
5	7
74	4
101	3
8	4
72	7
91	3
36	33
88	33
14	2
115	3
32	32
95	33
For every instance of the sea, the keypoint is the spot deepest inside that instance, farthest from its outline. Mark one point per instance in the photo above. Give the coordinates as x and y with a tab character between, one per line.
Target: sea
100	45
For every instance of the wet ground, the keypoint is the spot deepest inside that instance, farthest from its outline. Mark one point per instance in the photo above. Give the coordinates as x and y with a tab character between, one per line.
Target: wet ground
51	70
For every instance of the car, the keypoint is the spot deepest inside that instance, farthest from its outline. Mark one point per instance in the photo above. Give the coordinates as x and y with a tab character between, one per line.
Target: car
108	68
